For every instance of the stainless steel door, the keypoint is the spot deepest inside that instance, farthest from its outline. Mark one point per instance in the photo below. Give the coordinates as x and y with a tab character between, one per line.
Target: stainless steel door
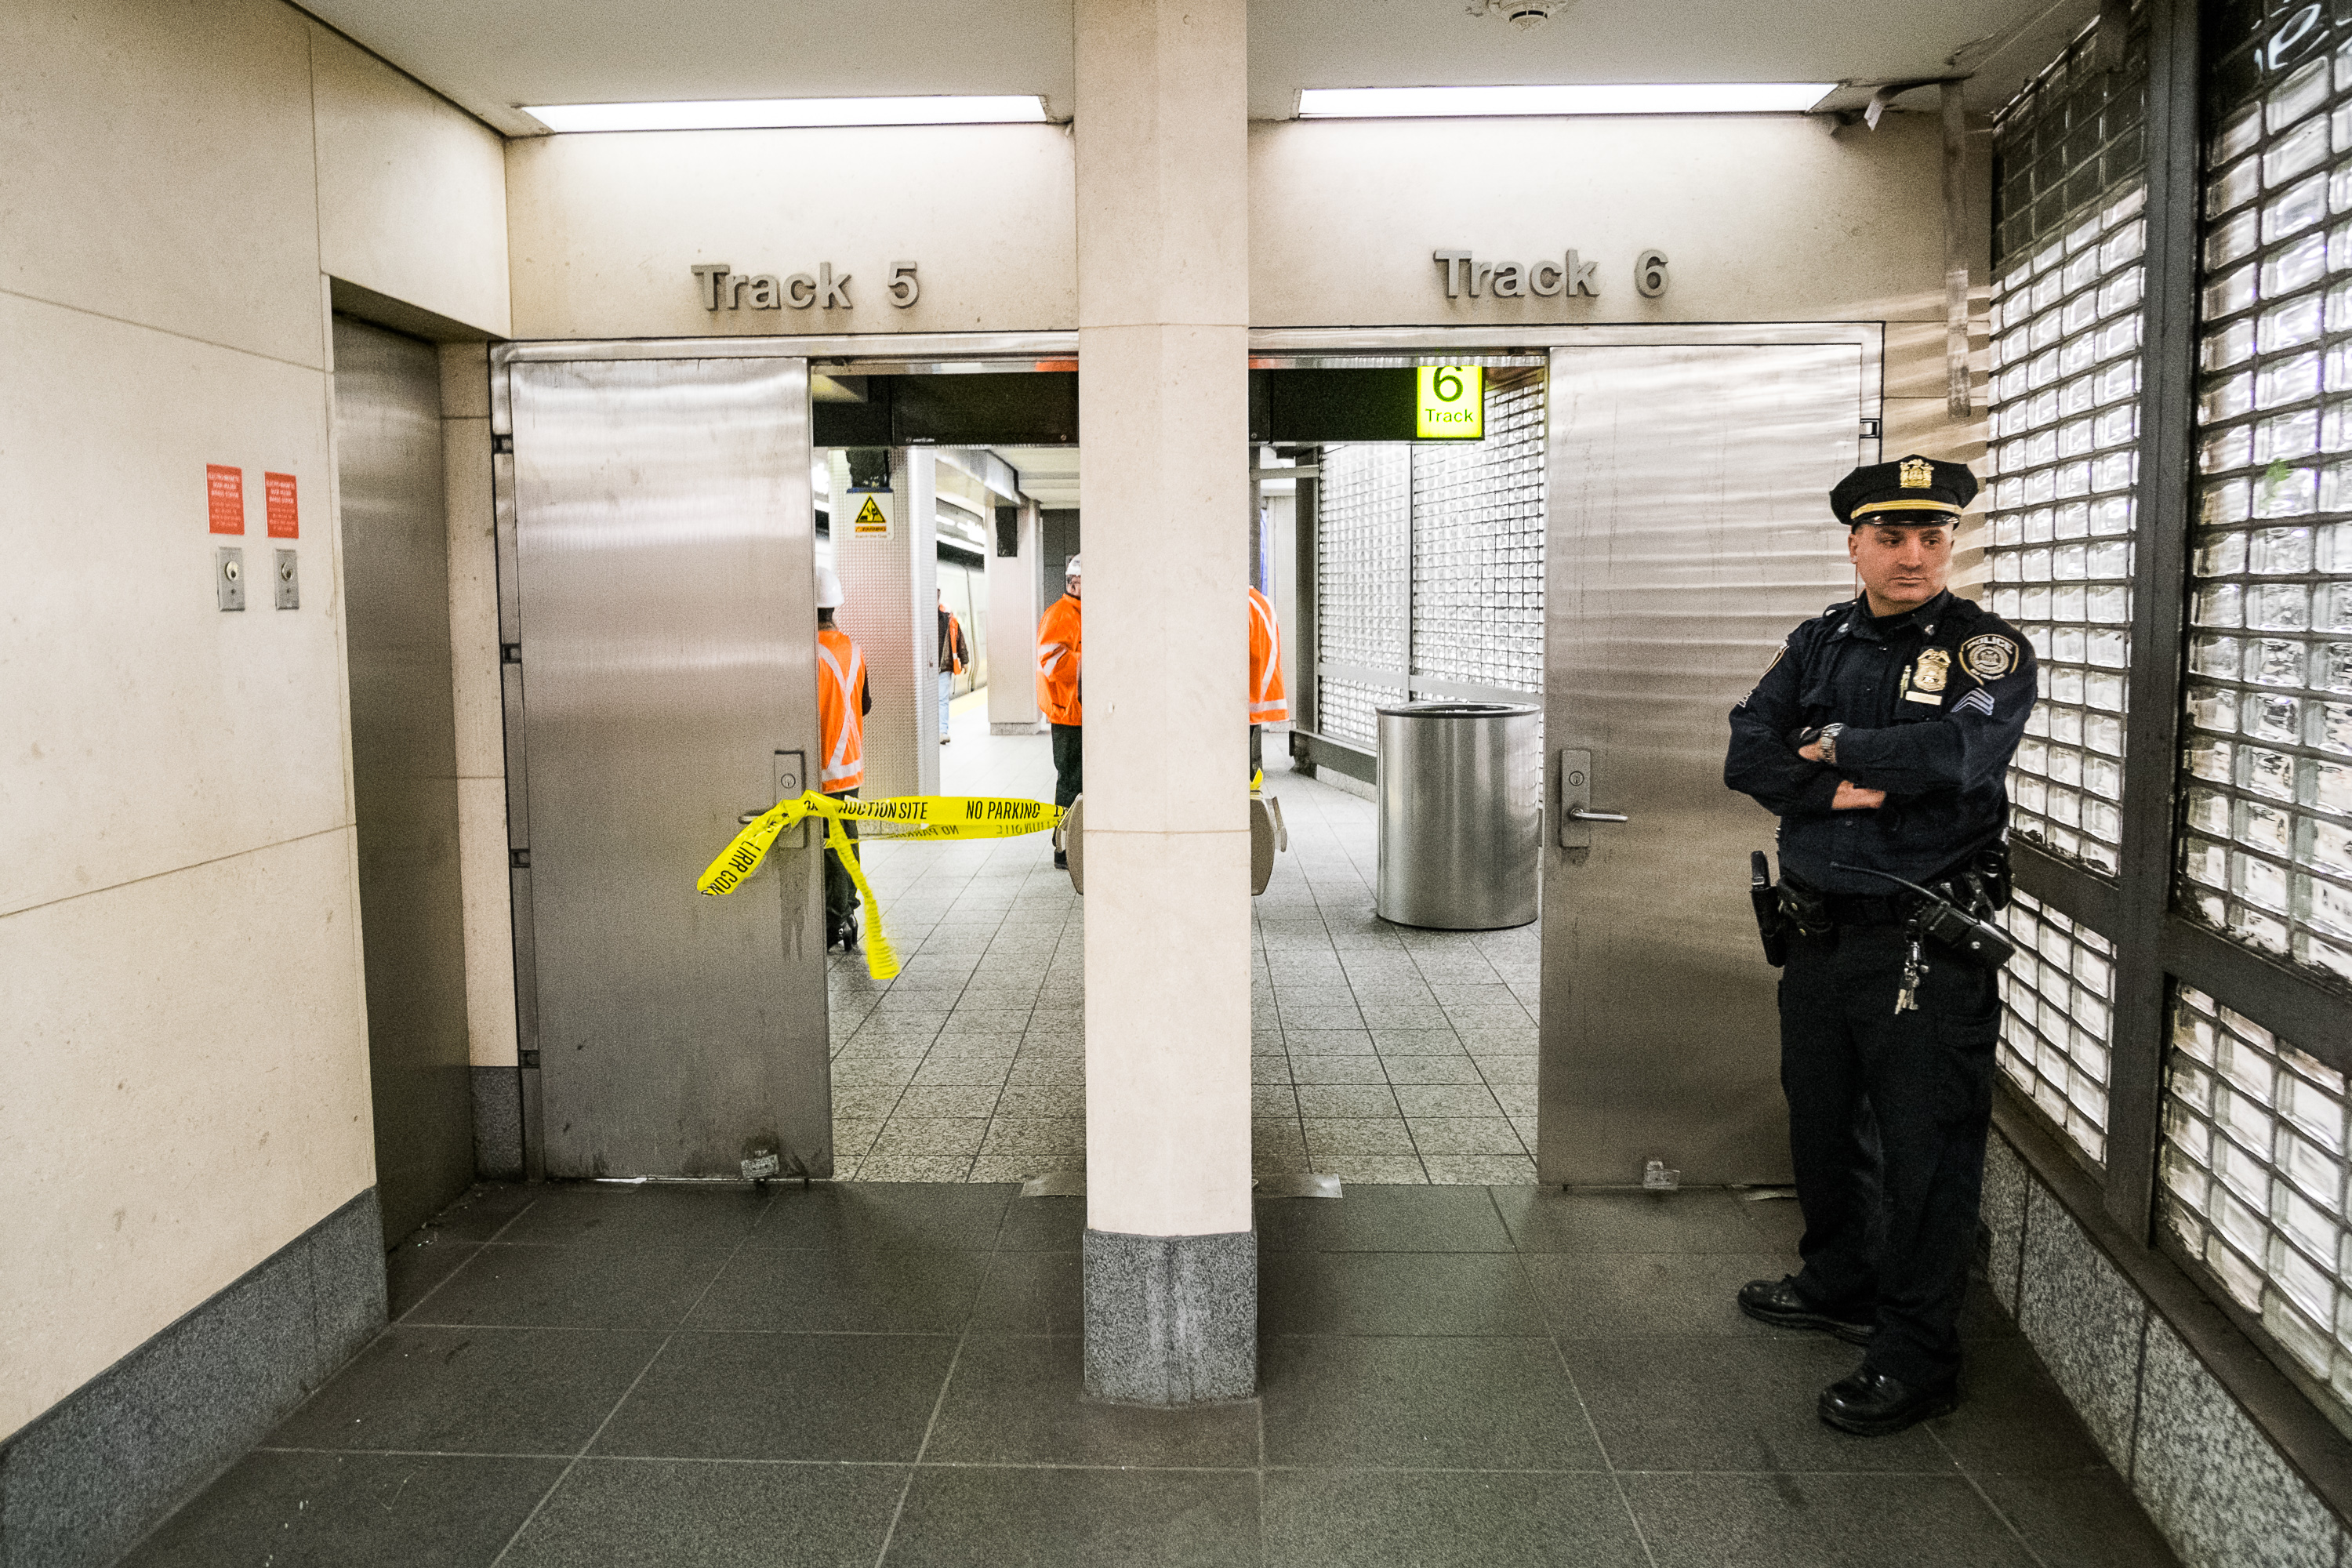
665	540
403	763
1690	531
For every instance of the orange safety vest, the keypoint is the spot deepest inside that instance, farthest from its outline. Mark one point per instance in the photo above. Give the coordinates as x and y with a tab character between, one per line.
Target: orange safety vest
840	682
1057	661
1268	702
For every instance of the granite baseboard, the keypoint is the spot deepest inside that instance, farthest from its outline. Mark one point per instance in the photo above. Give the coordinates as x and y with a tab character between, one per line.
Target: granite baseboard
497	1124
81	1484
2217	1488
1170	1320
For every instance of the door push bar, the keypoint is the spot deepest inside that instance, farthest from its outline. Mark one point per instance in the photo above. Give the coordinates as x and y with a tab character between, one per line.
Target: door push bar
1576	813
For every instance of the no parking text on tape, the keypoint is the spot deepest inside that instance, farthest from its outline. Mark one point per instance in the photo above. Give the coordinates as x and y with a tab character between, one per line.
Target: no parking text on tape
902	817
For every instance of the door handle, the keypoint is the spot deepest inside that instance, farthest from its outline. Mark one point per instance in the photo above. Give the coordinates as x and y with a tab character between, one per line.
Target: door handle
1576	813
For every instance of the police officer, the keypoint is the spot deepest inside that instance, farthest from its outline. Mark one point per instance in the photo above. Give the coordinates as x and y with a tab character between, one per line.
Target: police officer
1880	735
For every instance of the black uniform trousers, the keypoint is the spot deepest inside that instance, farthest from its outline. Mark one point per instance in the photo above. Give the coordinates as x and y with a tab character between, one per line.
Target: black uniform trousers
1069	763
840	892
1887	1115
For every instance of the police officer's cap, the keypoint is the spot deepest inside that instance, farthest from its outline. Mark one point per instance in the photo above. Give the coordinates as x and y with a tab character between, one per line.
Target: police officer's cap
1913	490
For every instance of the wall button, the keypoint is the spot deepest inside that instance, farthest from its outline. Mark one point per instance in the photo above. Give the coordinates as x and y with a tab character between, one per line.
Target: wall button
289	581
228	576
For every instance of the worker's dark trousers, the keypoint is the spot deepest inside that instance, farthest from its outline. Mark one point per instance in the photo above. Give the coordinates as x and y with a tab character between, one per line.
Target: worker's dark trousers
1257	750
840	892
1887	1115
1069	763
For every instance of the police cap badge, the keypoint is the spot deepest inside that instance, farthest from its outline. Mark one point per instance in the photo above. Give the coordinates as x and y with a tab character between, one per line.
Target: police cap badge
1913	490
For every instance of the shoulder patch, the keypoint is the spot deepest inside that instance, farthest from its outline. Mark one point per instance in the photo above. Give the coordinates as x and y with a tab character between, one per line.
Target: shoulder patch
1989	657
1778	653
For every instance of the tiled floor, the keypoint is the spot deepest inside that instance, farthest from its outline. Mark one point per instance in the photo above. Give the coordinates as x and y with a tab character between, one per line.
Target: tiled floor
1382	1054
888	1375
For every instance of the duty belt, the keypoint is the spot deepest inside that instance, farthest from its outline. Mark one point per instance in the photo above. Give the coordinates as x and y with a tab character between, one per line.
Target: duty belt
1867	910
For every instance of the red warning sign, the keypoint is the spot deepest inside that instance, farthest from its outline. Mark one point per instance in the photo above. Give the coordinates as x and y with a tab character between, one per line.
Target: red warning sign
277	503
225	496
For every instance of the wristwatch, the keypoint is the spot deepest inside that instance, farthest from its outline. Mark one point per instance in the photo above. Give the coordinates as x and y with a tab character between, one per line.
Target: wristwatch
1829	743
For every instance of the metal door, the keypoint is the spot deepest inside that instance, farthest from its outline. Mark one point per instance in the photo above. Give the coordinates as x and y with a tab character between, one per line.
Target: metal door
403	762
665	551
1690	533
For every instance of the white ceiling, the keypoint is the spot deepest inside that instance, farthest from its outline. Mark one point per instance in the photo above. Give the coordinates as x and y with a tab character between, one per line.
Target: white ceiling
492	54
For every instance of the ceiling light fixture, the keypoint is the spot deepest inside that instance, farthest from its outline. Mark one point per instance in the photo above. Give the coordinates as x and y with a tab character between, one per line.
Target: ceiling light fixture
1526	16
1664	98
780	113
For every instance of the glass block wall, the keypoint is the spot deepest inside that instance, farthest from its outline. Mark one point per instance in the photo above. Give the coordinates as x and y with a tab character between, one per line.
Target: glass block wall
2267	809
1463	523
1478	545
1361	508
2055	1032
2252	1180
2067	323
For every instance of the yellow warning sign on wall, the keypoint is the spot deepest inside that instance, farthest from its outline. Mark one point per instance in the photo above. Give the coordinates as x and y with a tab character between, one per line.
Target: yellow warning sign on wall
873	520
1449	403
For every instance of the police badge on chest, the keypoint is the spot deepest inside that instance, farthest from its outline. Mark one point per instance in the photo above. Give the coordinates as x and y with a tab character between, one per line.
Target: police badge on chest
1924	680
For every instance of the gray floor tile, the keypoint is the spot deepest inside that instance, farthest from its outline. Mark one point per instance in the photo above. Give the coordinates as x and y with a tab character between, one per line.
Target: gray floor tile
1031	1293
927	1100
1357	1135
1613	1294
843	1292
883	1219
1311	1040
573	1288
352	1510
1034	1068
1417	1070
1353	1517
1394	1293
1383	1219
1463	1135
783	1396
472	1390
2012	1420
1032	1100
484	1211
959	1071
1022	1401
1421	1100
1726	1402
2080	1518
1347	1099
1480	1170
573	1212
416	1268
1337	1069
931	1135
1036	1135
1546	1219
1078	1519
664	1513
1420	1402
1821	1520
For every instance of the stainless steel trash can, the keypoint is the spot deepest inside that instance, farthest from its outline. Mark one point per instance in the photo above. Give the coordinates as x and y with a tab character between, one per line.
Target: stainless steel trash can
1461	797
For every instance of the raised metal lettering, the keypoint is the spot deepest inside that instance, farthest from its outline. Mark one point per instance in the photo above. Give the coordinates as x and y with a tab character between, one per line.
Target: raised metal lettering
1452	261
834	292
706	277
799	291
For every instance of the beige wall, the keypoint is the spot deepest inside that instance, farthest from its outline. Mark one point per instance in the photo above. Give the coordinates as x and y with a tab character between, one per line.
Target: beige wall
604	228
183	1046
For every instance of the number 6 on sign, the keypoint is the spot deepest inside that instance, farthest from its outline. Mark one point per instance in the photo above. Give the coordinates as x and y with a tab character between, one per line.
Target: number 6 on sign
1449	403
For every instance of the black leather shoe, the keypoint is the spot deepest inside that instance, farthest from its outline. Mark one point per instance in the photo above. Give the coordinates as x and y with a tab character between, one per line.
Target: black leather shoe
1061	860
1777	1303
1873	1404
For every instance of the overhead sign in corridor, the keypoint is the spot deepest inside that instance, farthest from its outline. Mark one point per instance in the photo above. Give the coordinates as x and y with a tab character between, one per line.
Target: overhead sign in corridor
1449	403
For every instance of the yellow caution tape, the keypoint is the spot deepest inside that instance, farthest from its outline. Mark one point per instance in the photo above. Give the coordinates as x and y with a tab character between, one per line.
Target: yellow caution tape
904	816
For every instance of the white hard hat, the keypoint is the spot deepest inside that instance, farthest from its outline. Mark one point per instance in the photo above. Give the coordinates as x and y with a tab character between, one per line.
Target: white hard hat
1072	569
828	588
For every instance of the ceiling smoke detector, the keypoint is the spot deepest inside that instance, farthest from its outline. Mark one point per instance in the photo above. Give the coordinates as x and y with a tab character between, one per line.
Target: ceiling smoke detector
1525	14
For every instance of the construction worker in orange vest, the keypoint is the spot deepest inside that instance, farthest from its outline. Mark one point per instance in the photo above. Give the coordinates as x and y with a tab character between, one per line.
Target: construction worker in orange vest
1268	702
842	701
1058	652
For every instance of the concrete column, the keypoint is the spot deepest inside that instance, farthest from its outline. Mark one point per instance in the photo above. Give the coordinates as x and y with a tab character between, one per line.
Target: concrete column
1163	305
1013	612
891	582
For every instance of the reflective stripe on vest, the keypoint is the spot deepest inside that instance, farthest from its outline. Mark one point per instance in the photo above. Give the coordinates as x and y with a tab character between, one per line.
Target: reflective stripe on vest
1267	701
844	726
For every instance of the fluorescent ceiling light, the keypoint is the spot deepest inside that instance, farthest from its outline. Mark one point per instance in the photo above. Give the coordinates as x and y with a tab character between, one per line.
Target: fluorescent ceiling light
1667	98
769	113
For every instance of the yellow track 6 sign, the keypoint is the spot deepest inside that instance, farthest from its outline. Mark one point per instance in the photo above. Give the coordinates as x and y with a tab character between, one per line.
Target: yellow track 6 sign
1449	403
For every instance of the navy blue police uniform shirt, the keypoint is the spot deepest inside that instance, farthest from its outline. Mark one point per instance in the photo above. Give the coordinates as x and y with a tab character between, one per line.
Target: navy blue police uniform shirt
1934	702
